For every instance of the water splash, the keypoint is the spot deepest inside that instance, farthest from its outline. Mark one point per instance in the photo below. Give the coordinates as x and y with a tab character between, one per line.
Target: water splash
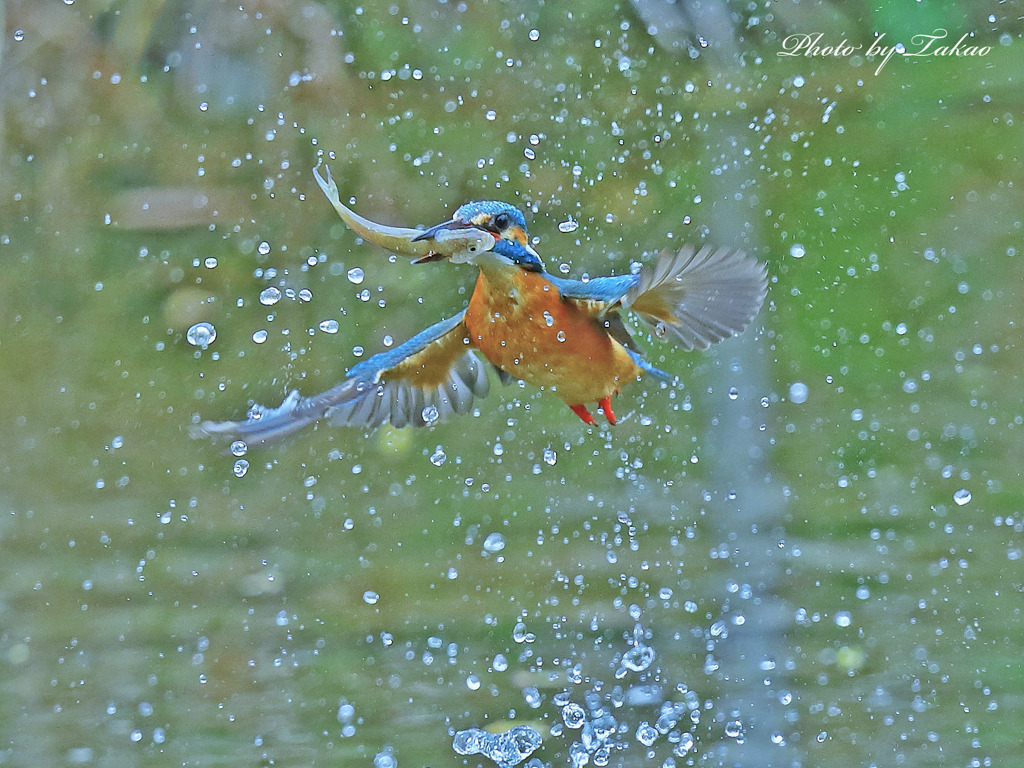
505	749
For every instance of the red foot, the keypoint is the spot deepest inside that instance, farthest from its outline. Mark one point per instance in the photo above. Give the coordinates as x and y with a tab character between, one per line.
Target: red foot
605	404
583	413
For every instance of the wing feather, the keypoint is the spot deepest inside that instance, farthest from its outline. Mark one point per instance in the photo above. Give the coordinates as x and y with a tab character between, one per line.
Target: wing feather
699	297
436	368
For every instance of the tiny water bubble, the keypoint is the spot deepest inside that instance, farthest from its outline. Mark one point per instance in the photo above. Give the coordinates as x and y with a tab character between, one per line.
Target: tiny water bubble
370	597
573	715
270	296
260	336
438	457
646	734
569	225
356	276
550	457
263	248
240	468
201	335
962	497
430	415
239	448
734	729
685	745
798	392
494	542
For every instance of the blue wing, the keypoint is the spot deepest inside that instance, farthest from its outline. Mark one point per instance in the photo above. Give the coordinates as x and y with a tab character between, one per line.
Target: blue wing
428	378
694	297
599	290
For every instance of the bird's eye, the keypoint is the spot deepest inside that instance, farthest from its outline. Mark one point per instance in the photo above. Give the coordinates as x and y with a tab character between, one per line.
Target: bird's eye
501	221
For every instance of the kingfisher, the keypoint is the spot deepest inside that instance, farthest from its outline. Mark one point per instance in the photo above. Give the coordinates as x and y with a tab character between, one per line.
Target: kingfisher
565	336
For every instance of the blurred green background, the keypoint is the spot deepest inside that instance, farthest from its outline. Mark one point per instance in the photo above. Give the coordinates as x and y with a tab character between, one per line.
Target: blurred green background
818	533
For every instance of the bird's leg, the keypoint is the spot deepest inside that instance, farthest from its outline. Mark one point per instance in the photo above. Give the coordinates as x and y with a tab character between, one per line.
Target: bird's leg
583	413
605	404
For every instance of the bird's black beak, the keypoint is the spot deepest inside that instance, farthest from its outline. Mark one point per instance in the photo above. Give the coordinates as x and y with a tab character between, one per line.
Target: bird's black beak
436	231
453	240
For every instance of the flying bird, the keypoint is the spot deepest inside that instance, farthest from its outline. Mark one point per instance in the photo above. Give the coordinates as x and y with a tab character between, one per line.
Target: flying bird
566	336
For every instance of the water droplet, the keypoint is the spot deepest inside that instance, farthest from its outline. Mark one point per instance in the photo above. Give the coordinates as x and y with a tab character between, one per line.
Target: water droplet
506	749
843	619
685	745
797	251
370	597
329	326
550	457
239	448
438	457
270	296
263	248
560	335
646	734
210	262
798	392
534	35
201	335
569	225
260	336
961	497
638	658
494	542
529	154
356	276
573	715
733	393
240	468
498	449
430	414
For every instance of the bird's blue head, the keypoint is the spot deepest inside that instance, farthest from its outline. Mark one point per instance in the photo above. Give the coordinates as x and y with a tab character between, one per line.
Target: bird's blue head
505	222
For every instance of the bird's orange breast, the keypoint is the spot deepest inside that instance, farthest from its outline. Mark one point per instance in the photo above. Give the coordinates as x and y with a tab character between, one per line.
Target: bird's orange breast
522	324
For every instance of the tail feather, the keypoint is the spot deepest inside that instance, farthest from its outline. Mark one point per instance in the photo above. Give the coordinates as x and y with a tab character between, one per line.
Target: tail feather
699	297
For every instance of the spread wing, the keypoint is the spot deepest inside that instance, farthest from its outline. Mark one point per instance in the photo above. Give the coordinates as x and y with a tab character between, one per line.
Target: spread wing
695	298
428	378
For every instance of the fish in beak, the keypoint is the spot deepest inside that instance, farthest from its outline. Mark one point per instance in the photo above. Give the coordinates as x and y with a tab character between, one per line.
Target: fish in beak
451	240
